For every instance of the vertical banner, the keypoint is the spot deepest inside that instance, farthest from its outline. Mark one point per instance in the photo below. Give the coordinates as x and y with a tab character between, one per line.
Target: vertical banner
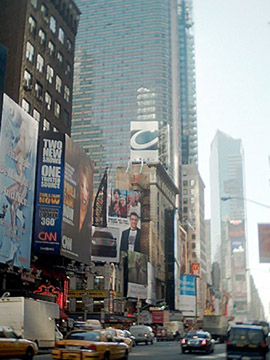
264	242
49	193
18	148
77	212
100	203
188	295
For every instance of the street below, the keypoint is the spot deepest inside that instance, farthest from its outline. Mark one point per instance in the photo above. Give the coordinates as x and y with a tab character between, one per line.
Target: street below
167	350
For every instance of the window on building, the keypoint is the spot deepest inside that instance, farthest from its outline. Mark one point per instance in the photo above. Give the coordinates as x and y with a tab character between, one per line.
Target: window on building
46	125
44	12
185	183
57	109
50	74
185	209
36	115
60	58
193	245
194	255
99	282
27	80
48	101
34	3
30	51
185	201
40	63
68	69
193	236
67	93
26	106
42	36
58	84
38	90
61	35
32	24
69	46
185	192
192	182
52	24
51	48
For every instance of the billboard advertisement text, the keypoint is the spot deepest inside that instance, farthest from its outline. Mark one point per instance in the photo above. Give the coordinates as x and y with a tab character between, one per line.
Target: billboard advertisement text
49	193
144	141
18	147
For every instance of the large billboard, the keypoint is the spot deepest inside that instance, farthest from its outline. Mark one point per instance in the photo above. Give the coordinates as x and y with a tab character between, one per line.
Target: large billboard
188	295
144	141
64	199
264	242
105	244
137	275
18	148
49	193
121	203
78	195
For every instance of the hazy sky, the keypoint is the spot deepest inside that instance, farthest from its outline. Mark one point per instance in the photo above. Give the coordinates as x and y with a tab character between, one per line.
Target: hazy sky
232	41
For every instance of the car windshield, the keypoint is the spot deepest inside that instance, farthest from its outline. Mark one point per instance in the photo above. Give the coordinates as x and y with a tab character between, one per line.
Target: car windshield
84	335
196	336
249	336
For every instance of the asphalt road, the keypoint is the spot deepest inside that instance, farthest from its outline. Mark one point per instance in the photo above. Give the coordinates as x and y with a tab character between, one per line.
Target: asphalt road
162	351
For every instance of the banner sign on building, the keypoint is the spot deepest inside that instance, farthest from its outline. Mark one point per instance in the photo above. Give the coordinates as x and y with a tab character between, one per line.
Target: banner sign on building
100	203
188	295
105	244
49	190
144	141
264	242
77	211
236	228
137	275
18	148
195	269
64	198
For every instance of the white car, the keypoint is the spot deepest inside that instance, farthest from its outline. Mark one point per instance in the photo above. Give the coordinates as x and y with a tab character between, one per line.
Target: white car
142	333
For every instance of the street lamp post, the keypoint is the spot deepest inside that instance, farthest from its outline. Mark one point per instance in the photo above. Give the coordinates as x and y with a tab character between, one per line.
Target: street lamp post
225	198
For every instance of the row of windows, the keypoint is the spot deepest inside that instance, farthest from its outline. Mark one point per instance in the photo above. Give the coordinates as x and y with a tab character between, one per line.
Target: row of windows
52	23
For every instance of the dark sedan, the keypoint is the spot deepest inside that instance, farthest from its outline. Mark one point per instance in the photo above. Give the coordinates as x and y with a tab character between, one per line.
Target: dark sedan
199	341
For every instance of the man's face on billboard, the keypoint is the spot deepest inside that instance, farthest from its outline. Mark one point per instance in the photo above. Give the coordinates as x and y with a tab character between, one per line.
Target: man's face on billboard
133	222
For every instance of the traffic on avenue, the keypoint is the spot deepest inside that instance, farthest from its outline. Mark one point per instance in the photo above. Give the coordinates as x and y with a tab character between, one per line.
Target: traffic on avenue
169	350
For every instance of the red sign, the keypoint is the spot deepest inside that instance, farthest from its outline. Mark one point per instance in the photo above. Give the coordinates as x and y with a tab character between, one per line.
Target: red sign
264	242
195	269
158	316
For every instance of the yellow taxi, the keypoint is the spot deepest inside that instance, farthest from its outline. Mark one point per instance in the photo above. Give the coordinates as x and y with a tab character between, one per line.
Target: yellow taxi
90	344
13	346
120	334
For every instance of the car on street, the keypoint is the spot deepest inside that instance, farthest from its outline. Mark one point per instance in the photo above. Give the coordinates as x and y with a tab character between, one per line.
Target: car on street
247	342
163	334
199	341
13	346
119	334
89	345
142	333
130	336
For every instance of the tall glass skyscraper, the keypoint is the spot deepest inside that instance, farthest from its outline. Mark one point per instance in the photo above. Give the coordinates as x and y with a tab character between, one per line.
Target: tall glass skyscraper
228	219
188	108
126	69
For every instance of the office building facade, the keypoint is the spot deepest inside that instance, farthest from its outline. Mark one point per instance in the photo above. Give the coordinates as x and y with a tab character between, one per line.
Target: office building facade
126	69
228	218
40	38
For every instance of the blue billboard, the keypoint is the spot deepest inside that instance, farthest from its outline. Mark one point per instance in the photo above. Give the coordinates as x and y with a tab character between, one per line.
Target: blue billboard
49	193
18	148
188	295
